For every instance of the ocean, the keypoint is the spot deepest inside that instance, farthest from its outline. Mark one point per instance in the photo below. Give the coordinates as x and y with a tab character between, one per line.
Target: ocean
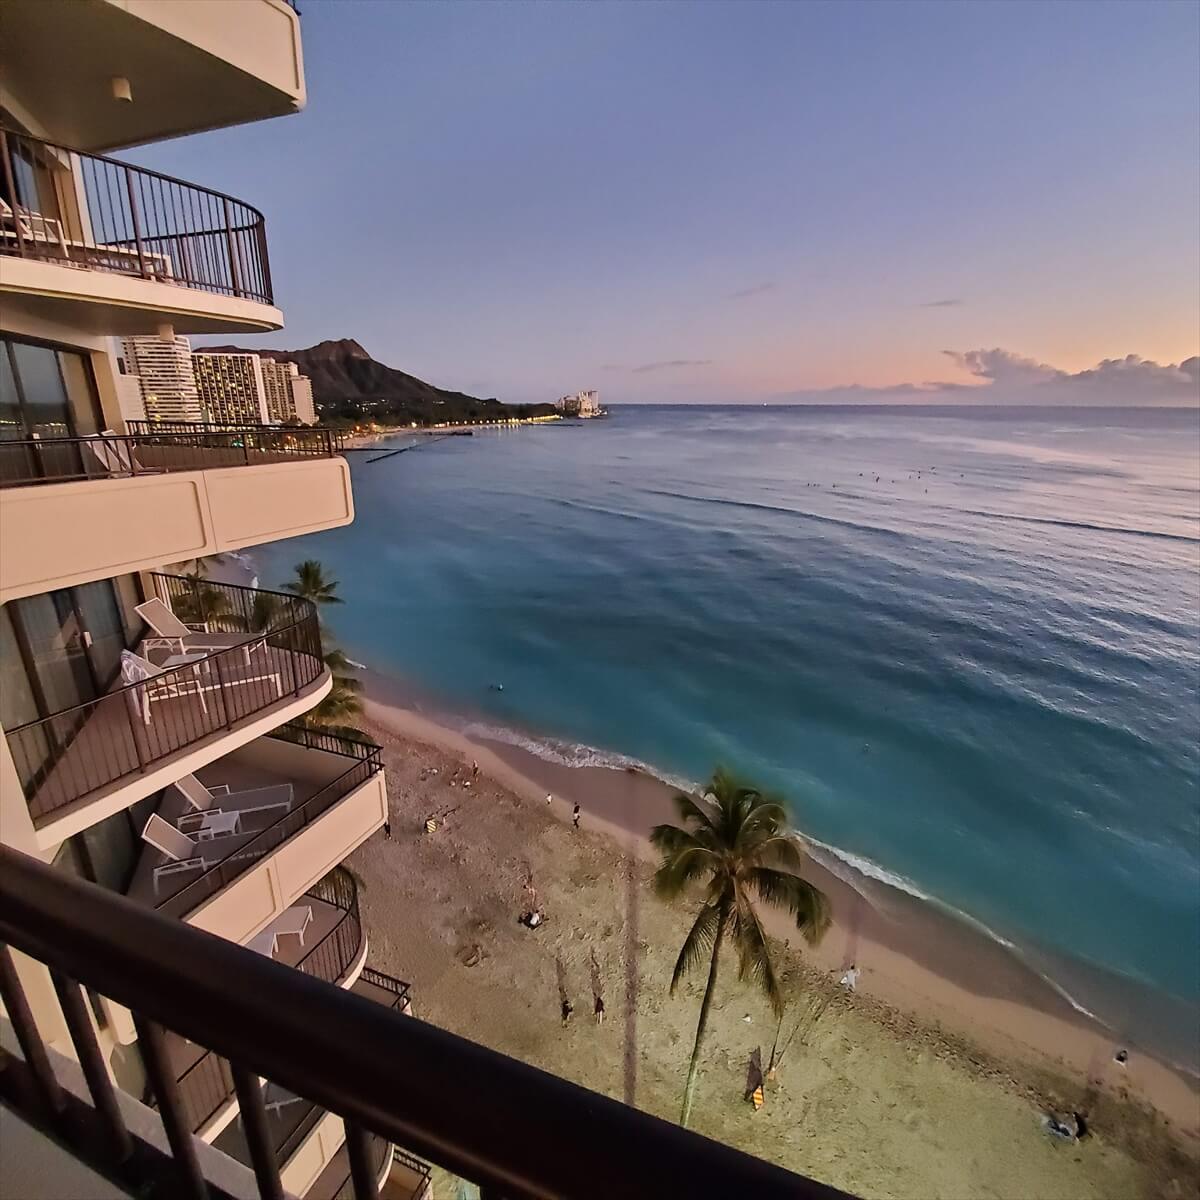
963	643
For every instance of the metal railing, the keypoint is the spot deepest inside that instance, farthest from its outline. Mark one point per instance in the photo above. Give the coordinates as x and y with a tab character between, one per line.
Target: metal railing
152	450
87	211
379	1154
399	991
511	1128
63	758
368	761
206	1086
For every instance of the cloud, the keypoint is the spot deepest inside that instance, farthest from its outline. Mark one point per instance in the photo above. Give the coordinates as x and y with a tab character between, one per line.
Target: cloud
756	289
940	304
670	364
1002	377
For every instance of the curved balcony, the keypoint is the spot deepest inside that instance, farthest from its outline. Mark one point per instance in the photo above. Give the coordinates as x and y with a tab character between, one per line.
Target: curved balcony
190	703
332	948
76	220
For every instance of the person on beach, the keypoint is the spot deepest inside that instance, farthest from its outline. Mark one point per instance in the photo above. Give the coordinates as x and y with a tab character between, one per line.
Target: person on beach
387	831
474	769
549	798
598	1010
850	979
567	1010
575	816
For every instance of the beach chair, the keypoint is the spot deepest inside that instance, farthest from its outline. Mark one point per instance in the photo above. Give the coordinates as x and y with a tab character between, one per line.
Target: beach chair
292	921
33	226
197	795
177	683
180	849
183	637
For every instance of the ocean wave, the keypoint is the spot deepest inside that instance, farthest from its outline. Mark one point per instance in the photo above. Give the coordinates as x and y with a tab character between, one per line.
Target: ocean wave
1090	527
571	754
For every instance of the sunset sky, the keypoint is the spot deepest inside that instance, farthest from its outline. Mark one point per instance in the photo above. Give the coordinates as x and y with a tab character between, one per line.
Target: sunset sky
724	202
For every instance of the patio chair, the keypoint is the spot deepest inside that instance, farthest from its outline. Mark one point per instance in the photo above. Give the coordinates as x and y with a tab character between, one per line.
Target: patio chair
178	682
176	846
294	921
33	226
182	637
115	456
197	795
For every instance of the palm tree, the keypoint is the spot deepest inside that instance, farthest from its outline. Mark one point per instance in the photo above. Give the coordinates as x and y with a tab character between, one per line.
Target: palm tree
737	841
341	706
312	583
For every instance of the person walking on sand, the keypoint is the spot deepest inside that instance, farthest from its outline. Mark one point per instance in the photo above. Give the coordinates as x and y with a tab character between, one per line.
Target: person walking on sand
474	769
850	979
575	816
549	798
567	1010
598	1009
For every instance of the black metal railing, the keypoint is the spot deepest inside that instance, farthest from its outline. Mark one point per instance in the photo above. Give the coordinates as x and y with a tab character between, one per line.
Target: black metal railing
63	758
410	1162
149	449
206	1086
379	1152
397	993
366	761
87	211
511	1128
290	1119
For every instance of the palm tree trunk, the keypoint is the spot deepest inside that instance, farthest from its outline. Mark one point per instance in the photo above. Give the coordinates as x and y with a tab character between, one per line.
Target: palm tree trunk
689	1091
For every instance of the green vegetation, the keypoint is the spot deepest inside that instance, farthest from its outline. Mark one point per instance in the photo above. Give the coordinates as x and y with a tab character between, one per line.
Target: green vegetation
736	842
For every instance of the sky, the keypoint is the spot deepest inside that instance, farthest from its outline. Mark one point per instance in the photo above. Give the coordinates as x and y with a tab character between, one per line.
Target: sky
739	202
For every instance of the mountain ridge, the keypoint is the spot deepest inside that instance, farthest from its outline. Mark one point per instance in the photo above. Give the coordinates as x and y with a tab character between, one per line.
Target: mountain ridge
349	385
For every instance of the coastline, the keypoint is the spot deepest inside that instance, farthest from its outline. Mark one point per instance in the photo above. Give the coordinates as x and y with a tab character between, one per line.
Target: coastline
919	962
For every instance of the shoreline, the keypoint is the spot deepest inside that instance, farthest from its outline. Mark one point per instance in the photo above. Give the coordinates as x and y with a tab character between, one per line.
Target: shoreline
918	961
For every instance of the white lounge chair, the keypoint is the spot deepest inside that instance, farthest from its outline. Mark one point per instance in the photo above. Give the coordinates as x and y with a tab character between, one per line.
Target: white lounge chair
33	226
197	795
183	637
292	921
162	684
176	846
114	455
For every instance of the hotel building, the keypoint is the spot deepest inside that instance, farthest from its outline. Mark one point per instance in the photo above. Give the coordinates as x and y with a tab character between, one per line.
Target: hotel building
171	766
166	383
232	388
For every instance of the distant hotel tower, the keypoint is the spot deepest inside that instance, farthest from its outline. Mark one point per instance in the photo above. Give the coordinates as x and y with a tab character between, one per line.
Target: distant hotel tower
162	371
232	389
581	404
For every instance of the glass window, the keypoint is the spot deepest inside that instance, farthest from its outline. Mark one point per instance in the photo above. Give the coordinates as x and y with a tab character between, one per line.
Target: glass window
17	703
44	401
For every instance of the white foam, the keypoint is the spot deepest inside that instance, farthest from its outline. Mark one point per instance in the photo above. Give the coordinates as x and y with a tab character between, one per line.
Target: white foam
571	754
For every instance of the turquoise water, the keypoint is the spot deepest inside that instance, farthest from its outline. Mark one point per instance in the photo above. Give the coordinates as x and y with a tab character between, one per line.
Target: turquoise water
963	643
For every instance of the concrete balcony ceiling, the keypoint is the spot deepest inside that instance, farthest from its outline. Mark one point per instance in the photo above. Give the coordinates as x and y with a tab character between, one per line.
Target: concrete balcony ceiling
190	65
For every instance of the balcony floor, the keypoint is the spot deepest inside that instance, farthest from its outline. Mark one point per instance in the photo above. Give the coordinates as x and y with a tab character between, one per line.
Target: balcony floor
114	740
240	773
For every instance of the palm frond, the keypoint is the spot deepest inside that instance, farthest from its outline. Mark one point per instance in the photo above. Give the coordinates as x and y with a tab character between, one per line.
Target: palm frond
808	905
679	869
698	941
754	955
690	811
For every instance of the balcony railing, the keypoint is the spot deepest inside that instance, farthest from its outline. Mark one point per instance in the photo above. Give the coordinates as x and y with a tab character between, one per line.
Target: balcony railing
383	989
509	1127
95	213
365	760
206	1085
64	758
149	449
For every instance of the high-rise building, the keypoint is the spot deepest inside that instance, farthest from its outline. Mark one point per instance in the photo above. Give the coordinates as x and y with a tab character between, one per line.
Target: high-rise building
277	389
157	765
302	400
232	388
163	369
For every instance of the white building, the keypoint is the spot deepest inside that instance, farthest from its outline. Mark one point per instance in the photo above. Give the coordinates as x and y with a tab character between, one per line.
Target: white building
163	370
302	400
277	389
232	388
581	404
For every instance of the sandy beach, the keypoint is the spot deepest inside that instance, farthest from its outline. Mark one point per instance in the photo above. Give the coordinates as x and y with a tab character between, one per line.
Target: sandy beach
928	1081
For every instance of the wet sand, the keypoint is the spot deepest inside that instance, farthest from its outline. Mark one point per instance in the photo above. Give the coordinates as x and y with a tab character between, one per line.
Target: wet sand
943	1016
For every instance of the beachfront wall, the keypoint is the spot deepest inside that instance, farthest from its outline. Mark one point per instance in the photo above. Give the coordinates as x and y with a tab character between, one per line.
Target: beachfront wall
58	535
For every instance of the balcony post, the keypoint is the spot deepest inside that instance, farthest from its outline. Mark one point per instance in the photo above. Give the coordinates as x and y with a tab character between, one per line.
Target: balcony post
136	221
12	191
231	243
